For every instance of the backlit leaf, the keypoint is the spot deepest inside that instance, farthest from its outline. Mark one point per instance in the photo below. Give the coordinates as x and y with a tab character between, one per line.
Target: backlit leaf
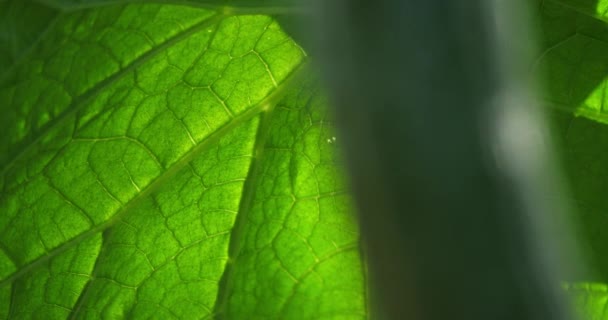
168	161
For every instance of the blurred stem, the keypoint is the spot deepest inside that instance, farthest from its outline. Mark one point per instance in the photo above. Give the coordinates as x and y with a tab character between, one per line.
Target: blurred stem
425	95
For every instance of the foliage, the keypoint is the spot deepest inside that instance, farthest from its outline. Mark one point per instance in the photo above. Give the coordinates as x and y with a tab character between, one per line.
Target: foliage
168	161
573	62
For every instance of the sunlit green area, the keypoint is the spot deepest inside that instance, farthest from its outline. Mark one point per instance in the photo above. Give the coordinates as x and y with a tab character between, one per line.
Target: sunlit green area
178	161
573	62
590	299
168	161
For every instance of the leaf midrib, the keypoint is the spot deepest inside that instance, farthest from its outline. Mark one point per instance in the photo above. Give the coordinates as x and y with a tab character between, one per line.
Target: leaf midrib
79	102
264	105
82	100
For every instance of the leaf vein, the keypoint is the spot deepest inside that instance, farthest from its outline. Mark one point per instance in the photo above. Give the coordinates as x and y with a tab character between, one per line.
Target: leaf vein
81	101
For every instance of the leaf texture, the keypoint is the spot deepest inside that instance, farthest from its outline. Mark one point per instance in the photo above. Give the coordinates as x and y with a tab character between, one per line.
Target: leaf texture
573	63
590	298
168	161
574	47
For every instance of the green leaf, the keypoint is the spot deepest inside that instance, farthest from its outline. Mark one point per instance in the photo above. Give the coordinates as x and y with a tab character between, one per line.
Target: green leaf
573	62
590	299
168	161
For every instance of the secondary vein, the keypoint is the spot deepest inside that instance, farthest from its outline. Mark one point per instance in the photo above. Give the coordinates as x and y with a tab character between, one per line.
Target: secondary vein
81	101
206	144
227	281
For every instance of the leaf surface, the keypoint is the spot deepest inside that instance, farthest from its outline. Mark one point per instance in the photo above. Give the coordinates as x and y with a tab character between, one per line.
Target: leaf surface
573	63
168	161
